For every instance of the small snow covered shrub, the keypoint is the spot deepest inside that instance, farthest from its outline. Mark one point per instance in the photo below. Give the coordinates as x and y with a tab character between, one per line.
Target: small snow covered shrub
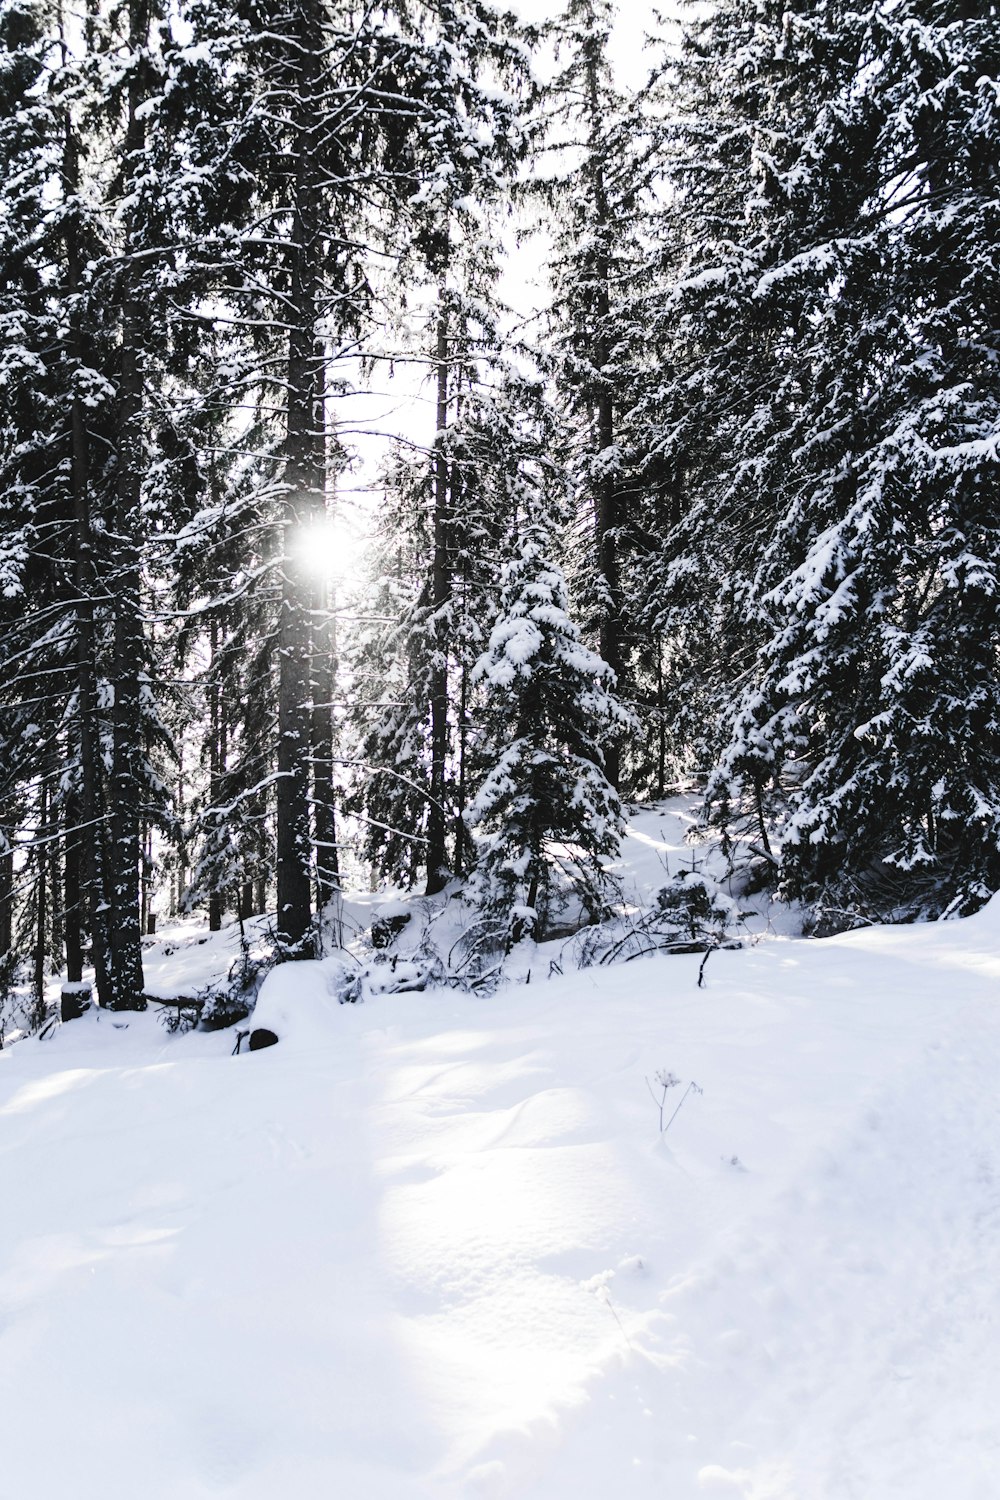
348	985
398	976
8	973
388	923
404	954
386	974
225	1007
179	1016
696	907
689	914
236	999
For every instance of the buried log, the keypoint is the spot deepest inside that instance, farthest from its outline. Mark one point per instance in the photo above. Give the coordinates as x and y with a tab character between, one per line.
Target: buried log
261	1036
75	1000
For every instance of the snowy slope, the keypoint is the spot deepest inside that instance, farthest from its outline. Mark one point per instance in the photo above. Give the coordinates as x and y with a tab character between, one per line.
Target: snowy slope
435	1246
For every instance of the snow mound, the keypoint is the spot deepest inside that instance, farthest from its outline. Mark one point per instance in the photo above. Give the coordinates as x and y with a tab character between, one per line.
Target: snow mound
300	1001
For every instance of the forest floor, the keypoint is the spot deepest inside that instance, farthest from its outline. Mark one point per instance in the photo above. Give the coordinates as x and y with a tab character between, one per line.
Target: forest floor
436	1245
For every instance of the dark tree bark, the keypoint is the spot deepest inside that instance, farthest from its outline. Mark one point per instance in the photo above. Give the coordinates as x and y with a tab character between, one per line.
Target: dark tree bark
304	501
148	914
217	758
91	852
41	895
128	643
607	499
437	859
462	837
179	885
6	903
292	833
324	673
661	726
126	728
72	892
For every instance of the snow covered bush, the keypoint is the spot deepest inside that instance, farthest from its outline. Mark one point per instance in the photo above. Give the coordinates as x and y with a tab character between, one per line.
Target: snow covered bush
545	814
390	920
697	905
235	1000
404	953
689	914
8	974
180	1016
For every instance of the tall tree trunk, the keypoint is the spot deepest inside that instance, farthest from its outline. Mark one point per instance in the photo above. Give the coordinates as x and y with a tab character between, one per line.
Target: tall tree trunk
462	841
292	832
607	498
462	777
93	841
145	860
128	644
148	886
6	899
180	884
216	765
92	846
304	500
324	677
661	724
126	718
41	896
57	907
437	859
324	671
72	889
223	784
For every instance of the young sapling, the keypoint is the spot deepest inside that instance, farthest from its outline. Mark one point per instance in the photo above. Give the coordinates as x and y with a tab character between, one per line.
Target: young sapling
665	1081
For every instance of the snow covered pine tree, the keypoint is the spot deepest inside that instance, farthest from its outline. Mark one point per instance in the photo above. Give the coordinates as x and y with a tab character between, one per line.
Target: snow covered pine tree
595	200
546	815
845	476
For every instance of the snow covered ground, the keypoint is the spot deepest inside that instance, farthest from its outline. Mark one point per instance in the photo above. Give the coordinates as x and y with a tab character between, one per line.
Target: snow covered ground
436	1246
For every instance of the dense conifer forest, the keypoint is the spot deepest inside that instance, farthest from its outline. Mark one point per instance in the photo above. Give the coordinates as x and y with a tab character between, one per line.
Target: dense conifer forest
714	503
